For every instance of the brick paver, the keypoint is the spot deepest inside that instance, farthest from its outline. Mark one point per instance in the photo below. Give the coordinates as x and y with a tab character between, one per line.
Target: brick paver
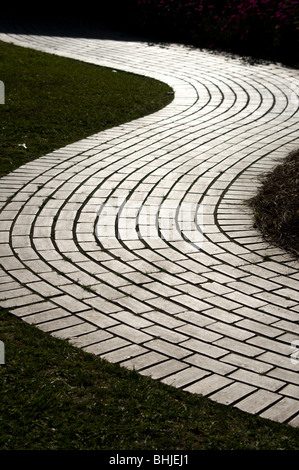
135	243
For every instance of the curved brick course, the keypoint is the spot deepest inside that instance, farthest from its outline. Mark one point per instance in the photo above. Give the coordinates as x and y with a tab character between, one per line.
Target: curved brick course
135	243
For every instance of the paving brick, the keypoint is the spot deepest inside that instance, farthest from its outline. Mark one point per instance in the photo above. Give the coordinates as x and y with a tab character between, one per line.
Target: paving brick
37	308
208	385
97	318
231	331
163	369
144	360
190	302
130	333
61	323
258	365
124	353
160	318
268	344
284	375
222	315
232	393
223	302
170	335
209	364
76	330
291	391
166	348
91	337
105	346
287	314
257	380
240	347
257	401
255	314
134	304
258	327
44	316
20	301
204	347
285	362
288	326
282	410
199	333
294	422
133	320
244	299
185	377
70	303
261	283
268	297
14	293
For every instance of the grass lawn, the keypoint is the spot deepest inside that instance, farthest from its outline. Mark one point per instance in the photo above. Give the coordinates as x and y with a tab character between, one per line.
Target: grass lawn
50	103
54	396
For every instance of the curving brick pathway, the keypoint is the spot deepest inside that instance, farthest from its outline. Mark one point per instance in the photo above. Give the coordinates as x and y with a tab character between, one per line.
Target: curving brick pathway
135	243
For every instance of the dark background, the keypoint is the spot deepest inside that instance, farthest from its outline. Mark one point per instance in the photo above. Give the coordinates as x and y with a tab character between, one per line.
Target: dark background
263	42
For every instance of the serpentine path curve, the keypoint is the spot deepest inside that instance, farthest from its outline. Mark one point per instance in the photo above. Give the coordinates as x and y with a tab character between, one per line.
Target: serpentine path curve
150	216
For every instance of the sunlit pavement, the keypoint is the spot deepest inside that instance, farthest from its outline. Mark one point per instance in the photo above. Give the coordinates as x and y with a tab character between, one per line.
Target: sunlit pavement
135	243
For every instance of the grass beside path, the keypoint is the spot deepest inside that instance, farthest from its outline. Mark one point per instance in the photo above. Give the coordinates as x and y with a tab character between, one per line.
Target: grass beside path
54	396
276	204
51	102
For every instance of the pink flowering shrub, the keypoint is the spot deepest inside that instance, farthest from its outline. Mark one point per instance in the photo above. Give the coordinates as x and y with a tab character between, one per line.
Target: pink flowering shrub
264	27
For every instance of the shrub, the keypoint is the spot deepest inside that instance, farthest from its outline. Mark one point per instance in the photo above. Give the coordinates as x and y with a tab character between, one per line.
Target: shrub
276	204
266	28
